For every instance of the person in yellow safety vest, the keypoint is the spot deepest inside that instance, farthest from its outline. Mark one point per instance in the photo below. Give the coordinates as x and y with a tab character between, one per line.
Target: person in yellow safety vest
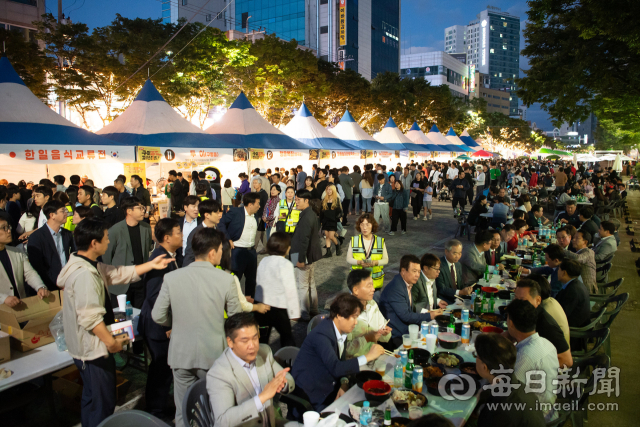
368	250
69	224
288	214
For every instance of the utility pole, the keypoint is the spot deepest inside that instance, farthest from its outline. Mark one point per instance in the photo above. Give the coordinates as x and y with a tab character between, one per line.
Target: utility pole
61	103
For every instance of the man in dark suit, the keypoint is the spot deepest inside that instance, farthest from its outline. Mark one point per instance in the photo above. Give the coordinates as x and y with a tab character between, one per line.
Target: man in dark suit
241	226
569	215
425	291
210	214
553	255
320	370
305	251
176	191
159	377
496	250
574	295
534	215
397	304
142	194
51	245
449	282
188	223
588	225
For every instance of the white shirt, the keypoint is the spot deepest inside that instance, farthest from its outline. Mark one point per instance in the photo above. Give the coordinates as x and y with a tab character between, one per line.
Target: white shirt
42	220
452	173
362	360
455	278
428	197
283	187
252	373
187	228
248	237
480	178
430	284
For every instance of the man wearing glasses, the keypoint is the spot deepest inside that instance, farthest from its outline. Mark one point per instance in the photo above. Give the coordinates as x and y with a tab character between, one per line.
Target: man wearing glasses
425	291
130	243
15	271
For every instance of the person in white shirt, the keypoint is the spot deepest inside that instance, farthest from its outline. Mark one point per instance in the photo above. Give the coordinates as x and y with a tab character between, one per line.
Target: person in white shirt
41	195
452	172
190	220
480	179
372	326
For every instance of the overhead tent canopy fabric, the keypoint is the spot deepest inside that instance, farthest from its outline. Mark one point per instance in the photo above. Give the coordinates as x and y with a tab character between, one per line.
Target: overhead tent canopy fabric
306	129
393	138
243	126
33	133
151	121
453	138
440	141
418	137
349	131
468	141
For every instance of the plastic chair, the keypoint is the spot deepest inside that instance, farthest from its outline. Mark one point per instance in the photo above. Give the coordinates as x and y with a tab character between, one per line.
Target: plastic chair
316	321
610	316
595	318
286	356
196	410
606	291
133	418
598	335
603	271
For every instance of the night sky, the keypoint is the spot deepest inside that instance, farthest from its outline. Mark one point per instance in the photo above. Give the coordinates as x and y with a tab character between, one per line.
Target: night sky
423	23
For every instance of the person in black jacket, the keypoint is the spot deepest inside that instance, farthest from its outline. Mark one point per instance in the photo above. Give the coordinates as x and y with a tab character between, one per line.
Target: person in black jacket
588	224
496	353
469	177
459	187
51	245
109	198
142	194
176	191
573	295
479	207
305	251
159	377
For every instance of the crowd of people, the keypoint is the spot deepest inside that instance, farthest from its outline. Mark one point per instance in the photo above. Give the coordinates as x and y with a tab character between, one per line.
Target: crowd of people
185	272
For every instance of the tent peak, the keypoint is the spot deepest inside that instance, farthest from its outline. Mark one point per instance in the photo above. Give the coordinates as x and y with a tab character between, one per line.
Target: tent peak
451	132
304	111
8	73
241	102
149	93
415	126
391	123
347	117
434	128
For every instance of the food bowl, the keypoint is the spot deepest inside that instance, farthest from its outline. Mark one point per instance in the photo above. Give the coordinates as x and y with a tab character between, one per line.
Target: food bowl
457	313
416	399
448	340
420	356
489	289
443	320
433	371
492	330
439	359
376	391
364	376
491	318
469	368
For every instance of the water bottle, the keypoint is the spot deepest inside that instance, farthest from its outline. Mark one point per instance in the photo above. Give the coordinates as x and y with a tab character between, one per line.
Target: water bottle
365	414
398	374
473	299
129	311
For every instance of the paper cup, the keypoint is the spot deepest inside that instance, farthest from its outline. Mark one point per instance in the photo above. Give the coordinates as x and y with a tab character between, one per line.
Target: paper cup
122	302
431	343
310	418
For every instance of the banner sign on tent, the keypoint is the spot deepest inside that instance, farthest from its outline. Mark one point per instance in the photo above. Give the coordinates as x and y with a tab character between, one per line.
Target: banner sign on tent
12	154
325	154
135	169
149	154
240	154
342	25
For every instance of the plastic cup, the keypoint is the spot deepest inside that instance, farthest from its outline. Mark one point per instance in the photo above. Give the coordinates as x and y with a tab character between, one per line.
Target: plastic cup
518	261
431	343
474	335
310	418
122	302
414	330
380	366
406	341
415	412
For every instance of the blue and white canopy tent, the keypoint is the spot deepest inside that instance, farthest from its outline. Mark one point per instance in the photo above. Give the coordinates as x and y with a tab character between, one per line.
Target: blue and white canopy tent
416	135
324	146
453	138
350	132
154	126
36	142
243	126
469	142
397	142
443	144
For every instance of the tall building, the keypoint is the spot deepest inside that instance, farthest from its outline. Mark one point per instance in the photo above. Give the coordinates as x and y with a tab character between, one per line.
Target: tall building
18	15
439	68
498	100
215	13
492	44
362	35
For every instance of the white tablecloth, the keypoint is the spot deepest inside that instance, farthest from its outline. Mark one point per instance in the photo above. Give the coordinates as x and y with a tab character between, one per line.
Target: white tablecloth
36	363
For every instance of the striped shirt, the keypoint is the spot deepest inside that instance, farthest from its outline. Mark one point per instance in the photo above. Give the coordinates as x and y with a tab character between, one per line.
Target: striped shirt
538	354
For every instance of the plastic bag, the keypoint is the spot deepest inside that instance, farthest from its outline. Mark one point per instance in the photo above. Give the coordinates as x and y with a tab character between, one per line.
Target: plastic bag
57	331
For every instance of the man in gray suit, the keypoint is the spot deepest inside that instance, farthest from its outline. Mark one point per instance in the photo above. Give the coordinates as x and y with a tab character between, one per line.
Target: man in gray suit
425	291
15	270
192	302
449	282
473	261
605	248
243	381
130	243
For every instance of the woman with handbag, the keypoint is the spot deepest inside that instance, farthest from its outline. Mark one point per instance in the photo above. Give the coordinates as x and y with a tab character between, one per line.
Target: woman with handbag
228	194
329	218
288	214
417	193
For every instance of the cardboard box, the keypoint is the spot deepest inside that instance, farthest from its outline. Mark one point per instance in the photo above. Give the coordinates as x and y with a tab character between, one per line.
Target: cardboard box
68	385
28	322
5	347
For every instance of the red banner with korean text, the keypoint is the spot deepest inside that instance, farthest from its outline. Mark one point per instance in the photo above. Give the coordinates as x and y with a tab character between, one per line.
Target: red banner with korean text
12	154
